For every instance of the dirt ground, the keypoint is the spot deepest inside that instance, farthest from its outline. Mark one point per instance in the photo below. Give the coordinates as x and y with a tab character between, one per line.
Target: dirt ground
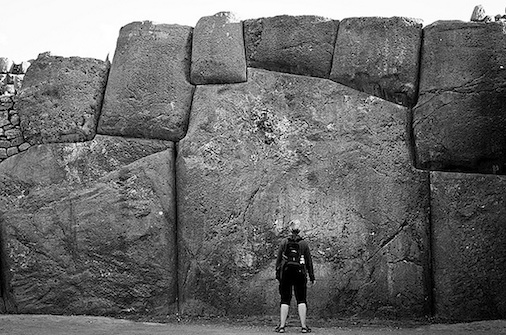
88	325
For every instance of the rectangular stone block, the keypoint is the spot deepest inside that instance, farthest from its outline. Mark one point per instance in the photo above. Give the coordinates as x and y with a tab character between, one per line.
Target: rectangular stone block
12	151
293	44
11	134
61	99
218	55
379	56
469	249
283	147
460	120
148	92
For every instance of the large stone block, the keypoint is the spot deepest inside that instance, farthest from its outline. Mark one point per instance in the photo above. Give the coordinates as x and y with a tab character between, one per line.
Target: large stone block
293	44
283	147
379	56
469	249
218	55
61	99
148	93
89	228
459	123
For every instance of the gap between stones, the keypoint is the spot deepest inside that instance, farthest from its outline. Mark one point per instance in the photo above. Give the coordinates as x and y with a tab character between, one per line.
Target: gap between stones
2	275
175	233
430	276
5	304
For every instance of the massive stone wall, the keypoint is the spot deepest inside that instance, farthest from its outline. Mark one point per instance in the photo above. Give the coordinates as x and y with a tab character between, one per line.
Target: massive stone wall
164	182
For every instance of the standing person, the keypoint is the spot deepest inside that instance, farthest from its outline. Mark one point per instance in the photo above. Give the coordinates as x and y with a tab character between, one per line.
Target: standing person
293	265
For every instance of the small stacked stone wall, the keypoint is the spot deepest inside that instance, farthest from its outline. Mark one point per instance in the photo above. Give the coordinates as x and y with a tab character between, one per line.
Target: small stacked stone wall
11	137
164	182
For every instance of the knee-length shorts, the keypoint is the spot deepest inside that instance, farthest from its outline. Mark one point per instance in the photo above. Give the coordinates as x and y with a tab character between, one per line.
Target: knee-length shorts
293	279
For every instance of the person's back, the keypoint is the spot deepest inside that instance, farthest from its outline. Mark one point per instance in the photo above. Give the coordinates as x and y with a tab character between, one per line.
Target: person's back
293	265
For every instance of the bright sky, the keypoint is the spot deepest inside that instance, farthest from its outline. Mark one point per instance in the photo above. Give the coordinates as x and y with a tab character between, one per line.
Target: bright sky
90	28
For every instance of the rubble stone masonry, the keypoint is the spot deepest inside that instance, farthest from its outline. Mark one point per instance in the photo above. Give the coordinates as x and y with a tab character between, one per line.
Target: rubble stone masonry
11	79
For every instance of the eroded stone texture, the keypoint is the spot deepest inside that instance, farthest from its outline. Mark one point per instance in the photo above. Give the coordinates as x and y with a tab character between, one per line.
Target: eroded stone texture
6	65
469	249
459	122
281	147
479	14
61	98
293	44
379	56
218	55
89	227
148	94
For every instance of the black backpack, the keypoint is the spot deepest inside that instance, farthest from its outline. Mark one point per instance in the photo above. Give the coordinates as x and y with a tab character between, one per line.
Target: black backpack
292	254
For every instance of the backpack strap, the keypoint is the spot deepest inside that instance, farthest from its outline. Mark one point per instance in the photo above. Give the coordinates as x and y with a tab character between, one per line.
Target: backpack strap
285	245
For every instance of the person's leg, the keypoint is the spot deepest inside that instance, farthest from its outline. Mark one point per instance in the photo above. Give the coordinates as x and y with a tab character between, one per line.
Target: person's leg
300	295
285	290
283	314
302	314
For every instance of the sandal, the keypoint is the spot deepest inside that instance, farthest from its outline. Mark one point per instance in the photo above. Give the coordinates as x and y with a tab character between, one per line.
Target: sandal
279	329
305	330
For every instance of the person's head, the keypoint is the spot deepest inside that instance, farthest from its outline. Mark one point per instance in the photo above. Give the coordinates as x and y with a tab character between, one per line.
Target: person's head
295	227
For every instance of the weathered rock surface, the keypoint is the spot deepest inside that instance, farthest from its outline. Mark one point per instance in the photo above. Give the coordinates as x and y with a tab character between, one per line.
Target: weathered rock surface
479	14
293	44
460	120
281	147
379	56
218	55
469	249
61	98
149	93
6	65
88	227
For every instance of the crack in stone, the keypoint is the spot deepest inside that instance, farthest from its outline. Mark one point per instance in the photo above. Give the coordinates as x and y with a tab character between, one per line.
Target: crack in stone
389	239
249	203
434	111
2	274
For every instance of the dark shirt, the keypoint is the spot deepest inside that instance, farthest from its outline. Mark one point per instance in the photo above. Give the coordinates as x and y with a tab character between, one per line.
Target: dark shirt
304	250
